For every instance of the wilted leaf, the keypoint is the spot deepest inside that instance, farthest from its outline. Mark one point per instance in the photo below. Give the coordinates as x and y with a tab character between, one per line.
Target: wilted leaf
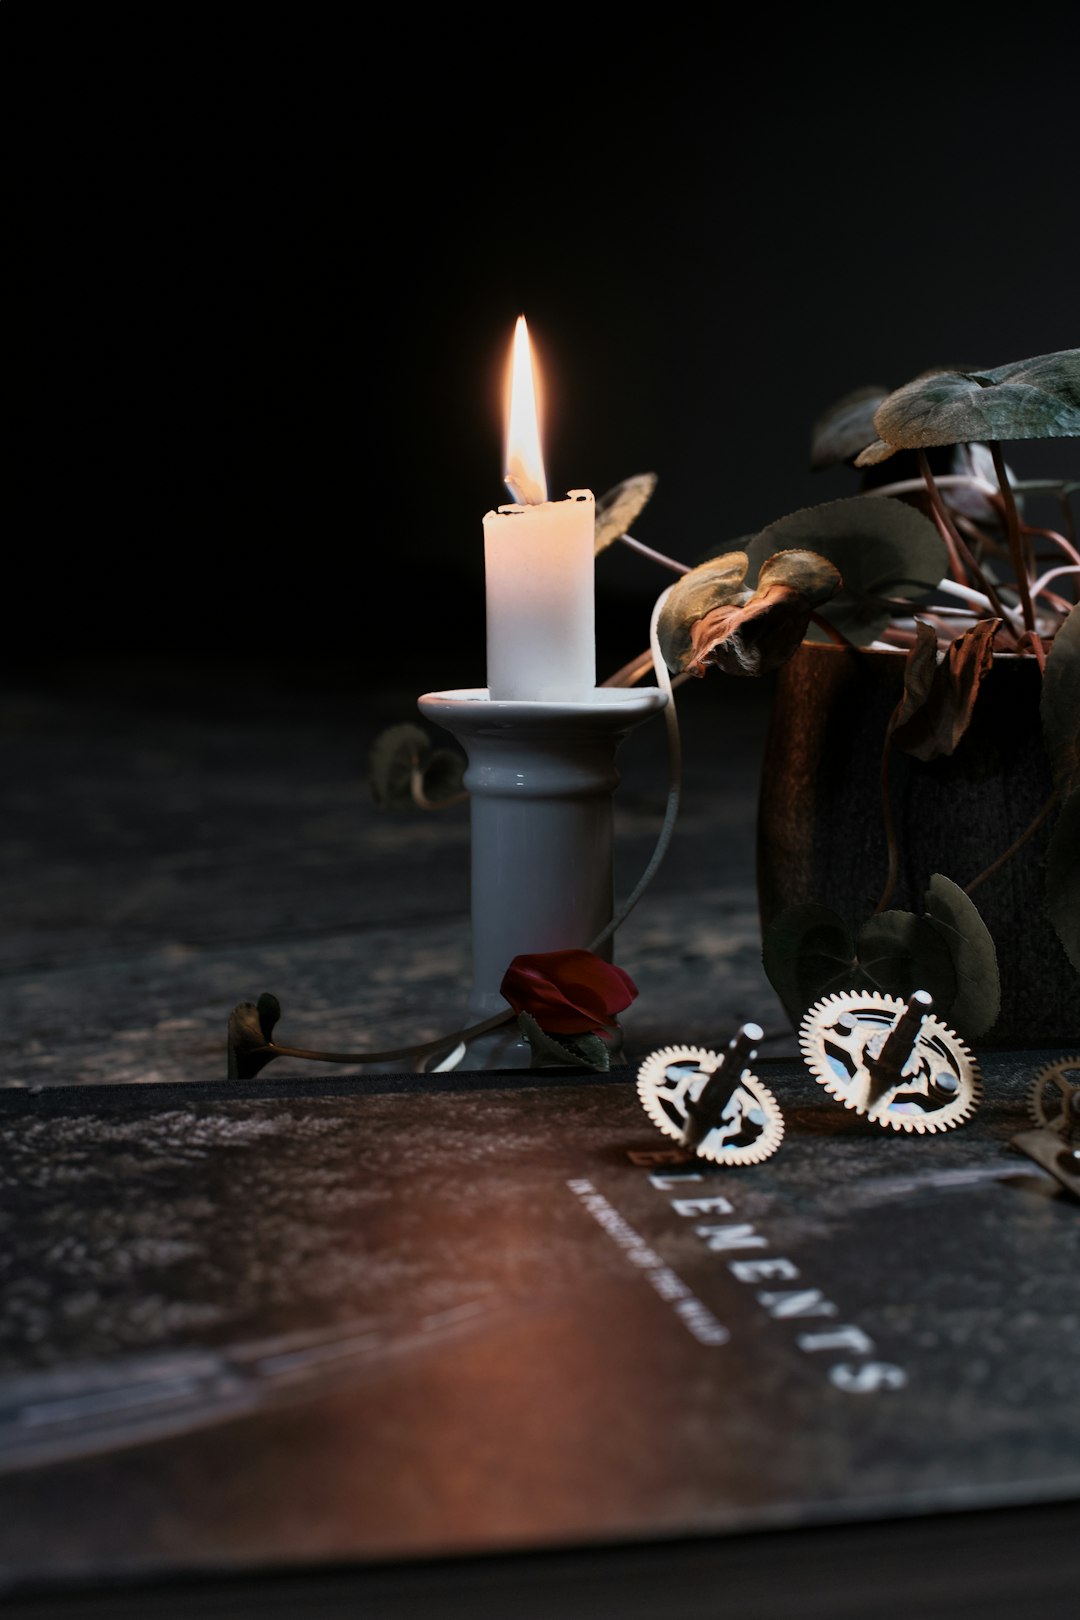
808	952
1060	704
939	697
1063	878
393	755
763	632
845	428
251	1027
901	953
1027	399
977	1002
621	506
880	547
712	584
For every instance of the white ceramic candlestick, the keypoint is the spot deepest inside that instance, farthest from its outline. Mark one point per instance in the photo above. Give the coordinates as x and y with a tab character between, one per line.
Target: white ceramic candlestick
540	776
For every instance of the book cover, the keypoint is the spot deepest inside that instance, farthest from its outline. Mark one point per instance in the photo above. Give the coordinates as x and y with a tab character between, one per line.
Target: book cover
286	1326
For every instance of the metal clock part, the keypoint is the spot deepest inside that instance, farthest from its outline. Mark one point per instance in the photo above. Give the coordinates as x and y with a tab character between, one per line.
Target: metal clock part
891	1060
710	1102
1054	1154
1054	1099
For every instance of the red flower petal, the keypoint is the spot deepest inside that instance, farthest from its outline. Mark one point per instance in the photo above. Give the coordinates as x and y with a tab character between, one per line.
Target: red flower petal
571	992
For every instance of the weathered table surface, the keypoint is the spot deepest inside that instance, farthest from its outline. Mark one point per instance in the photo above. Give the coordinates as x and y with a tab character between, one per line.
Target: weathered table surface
165	859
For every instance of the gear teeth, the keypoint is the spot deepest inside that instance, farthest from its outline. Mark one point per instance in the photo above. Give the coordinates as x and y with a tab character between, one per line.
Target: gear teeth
1054	1074
822	1017
650	1077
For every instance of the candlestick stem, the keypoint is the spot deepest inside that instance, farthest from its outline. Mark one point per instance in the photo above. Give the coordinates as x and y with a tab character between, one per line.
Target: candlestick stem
541	777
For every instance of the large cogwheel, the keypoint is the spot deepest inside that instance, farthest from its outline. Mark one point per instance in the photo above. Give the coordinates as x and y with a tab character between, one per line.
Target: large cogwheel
891	1060
748	1125
1054	1100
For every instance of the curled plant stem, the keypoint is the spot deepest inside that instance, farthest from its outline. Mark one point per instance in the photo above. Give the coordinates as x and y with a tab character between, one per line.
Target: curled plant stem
1017	844
671	721
1020	560
1056	539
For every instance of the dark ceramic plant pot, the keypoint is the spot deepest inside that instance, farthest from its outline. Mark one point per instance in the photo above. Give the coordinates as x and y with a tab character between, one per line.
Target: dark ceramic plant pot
821	834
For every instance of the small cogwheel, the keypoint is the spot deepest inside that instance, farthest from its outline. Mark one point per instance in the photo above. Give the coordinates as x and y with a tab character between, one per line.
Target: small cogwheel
1054	1100
891	1060
744	1123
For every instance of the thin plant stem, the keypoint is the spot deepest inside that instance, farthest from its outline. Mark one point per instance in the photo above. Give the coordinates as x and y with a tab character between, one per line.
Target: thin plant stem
1020	560
831	630
912	486
632	672
655	556
1018	844
887	816
945	525
423	1050
948	530
1058	540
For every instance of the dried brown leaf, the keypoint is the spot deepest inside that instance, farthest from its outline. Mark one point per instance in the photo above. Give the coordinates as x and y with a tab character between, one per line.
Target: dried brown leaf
939	697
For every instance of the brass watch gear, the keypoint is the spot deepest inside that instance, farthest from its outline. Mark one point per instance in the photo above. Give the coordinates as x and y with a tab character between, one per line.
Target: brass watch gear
749	1125
891	1060
1054	1099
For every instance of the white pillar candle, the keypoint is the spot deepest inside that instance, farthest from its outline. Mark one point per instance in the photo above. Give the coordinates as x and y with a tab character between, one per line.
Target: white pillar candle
539	568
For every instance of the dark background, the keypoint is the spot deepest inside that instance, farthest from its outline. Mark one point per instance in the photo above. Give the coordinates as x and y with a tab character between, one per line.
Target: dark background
269	269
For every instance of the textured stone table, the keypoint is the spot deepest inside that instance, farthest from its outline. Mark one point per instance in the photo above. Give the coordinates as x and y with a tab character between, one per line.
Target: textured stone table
167	854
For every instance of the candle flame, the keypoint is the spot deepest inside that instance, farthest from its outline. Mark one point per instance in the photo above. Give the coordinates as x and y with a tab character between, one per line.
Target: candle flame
524	476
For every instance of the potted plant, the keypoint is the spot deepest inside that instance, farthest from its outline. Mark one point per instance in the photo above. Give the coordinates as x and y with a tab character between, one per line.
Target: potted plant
919	815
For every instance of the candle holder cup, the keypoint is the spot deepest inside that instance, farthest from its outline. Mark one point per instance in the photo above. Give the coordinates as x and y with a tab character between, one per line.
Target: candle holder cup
541	776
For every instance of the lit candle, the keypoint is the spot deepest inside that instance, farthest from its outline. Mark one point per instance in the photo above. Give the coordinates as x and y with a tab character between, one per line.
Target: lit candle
538	566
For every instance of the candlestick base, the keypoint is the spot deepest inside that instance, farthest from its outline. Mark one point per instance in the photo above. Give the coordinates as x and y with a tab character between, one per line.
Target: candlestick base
541	776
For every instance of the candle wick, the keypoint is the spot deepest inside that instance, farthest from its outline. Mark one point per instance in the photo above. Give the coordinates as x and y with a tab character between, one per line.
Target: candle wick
525	489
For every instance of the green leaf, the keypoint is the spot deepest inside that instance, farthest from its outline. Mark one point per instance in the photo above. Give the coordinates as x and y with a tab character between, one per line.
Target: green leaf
901	953
845	428
1026	399
880	547
808	952
977	1002
1059	705
391	760
715	583
1063	878
563	1051
619	507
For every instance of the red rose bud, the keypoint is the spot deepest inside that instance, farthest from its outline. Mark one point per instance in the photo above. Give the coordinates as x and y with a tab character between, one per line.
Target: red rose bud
568	992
